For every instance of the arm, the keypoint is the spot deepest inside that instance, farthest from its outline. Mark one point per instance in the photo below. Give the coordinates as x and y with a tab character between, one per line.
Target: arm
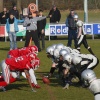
28	78
20	21
39	18
66	22
79	32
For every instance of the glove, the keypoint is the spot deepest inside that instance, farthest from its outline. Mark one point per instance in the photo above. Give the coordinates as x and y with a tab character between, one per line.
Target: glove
29	24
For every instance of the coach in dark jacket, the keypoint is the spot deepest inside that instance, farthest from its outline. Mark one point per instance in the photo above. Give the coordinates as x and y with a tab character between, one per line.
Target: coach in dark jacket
54	16
72	29
41	29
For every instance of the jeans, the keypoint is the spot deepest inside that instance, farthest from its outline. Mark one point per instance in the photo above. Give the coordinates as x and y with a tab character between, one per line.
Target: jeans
72	34
12	38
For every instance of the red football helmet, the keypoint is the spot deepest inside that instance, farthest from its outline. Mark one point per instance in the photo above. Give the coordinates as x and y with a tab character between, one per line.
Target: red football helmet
33	49
36	63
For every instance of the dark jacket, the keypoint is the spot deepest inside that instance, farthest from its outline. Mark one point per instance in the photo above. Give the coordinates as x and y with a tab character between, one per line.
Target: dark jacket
41	25
15	13
3	20
70	22
56	16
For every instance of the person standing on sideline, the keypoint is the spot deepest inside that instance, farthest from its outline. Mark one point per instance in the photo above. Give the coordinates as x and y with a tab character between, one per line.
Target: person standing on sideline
31	30
15	12
72	29
41	29
4	15
54	16
12	28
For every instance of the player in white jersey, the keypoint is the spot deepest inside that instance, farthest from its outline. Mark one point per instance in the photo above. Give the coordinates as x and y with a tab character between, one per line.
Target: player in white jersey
90	80
81	35
81	62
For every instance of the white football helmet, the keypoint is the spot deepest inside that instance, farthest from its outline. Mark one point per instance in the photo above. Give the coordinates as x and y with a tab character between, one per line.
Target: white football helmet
56	53
68	58
50	50
54	46
68	49
88	76
76	60
59	46
75	16
63	52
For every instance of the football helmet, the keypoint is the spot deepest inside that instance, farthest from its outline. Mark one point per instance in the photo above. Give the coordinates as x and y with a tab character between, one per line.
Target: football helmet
88	76
56	53
76	60
50	50
59	46
68	58
54	45
36	64
75	16
33	49
63	52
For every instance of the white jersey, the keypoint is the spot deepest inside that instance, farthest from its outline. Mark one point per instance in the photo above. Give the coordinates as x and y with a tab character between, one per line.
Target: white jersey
80	24
95	86
90	57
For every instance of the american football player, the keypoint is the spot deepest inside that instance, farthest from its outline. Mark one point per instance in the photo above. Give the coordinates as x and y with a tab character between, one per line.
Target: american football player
90	81
23	63
81	35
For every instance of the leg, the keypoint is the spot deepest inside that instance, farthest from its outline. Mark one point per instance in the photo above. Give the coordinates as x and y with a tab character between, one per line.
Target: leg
5	72
27	38
43	41
75	38
11	40
69	38
39	36
87	46
79	42
14	40
35	39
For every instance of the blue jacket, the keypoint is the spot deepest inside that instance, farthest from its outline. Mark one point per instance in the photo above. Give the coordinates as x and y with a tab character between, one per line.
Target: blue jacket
16	21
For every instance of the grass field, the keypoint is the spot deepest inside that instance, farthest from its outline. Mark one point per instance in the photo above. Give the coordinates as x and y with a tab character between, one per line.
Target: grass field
20	90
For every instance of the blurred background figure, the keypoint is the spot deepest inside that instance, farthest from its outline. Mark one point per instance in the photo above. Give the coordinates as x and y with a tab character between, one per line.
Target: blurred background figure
41	29
3	18
4	15
54	16
72	29
15	12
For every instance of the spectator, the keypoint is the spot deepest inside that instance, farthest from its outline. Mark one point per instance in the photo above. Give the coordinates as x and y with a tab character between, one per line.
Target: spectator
72	29
4	15
41	29
31	30
15	12
12	28
54	16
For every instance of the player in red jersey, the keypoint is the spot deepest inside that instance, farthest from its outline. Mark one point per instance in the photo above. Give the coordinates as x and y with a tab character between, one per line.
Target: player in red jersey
22	63
22	51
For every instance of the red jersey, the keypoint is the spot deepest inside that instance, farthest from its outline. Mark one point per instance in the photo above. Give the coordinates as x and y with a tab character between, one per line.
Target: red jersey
18	63
19	52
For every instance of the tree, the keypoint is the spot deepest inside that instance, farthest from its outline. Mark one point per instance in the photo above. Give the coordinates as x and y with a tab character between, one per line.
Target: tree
1	5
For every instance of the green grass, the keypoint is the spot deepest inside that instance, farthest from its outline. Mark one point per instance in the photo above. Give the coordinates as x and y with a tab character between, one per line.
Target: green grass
20	90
